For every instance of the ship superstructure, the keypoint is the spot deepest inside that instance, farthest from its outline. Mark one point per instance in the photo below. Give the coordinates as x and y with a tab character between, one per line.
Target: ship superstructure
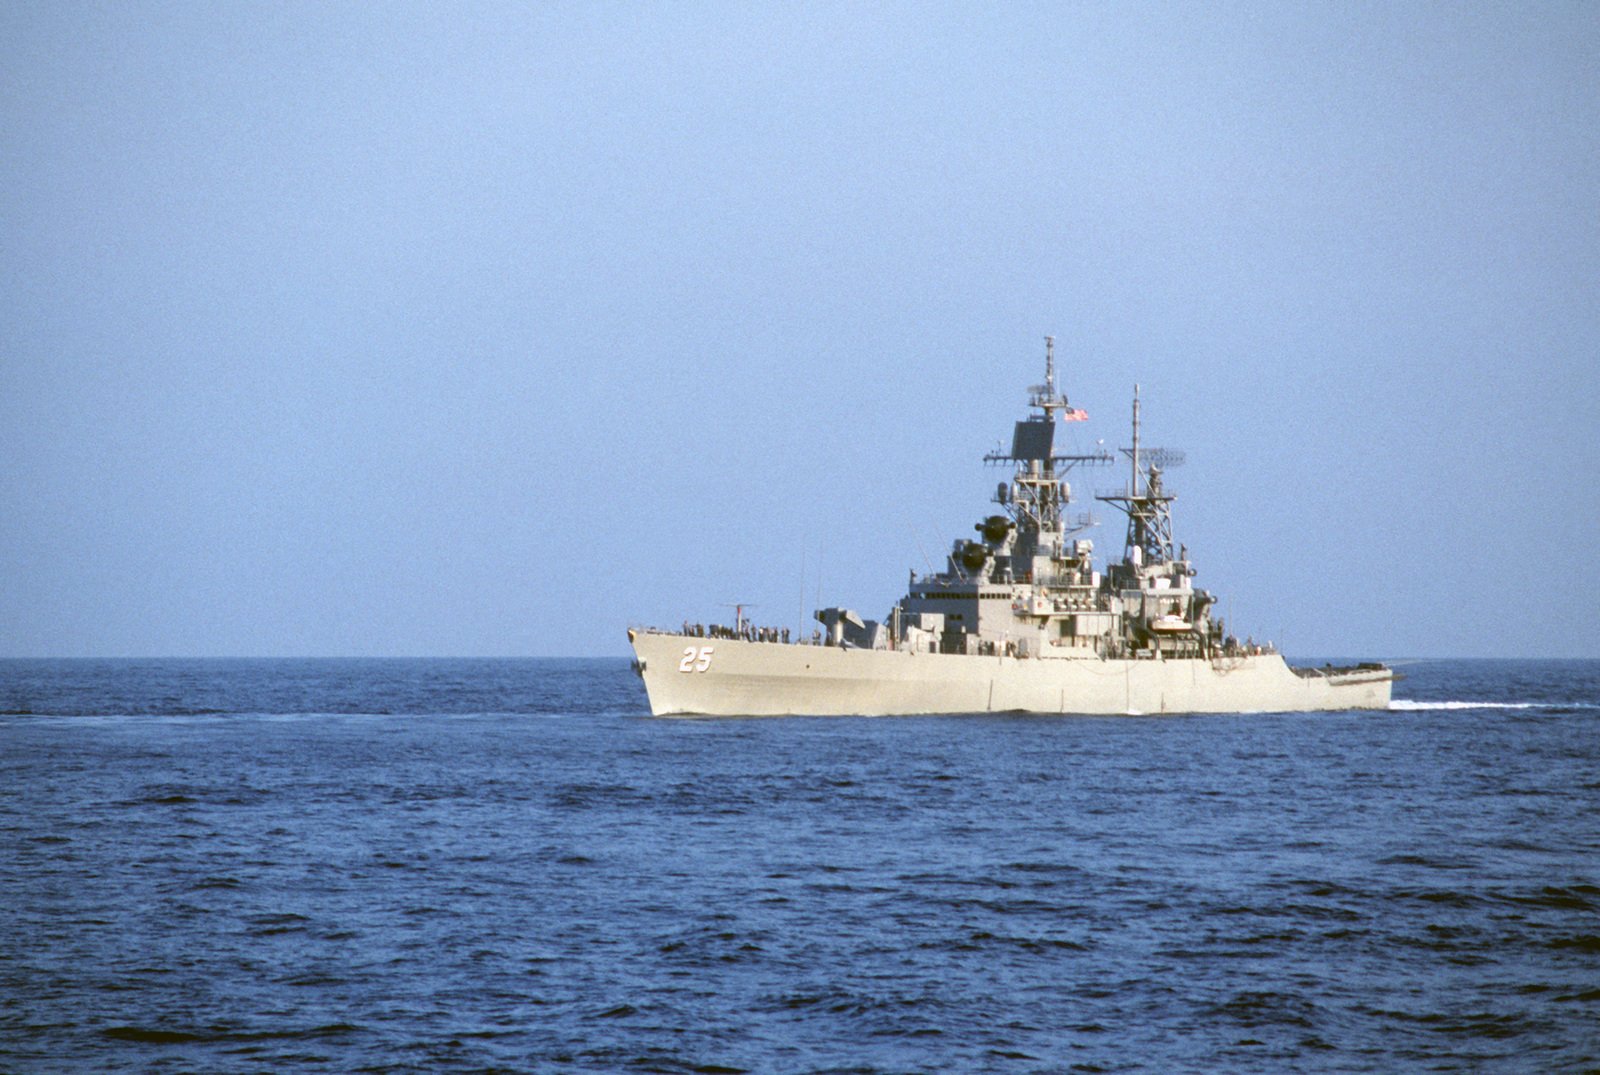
1027	587
1020	618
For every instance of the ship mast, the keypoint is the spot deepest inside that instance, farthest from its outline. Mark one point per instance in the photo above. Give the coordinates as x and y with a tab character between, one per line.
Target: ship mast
1036	494
1133	482
1148	510
1045	396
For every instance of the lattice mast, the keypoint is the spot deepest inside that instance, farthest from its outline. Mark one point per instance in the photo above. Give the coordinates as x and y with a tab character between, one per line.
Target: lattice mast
1149	509
1036	495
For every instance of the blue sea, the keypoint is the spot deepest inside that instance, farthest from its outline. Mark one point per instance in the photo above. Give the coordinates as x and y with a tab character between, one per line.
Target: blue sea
507	865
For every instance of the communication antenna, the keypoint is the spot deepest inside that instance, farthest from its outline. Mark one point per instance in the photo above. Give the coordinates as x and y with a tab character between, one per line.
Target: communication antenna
1159	458
1134	455
1045	396
800	619
918	541
821	548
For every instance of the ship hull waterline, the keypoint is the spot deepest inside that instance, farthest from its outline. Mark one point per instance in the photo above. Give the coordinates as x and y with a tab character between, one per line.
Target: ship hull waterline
692	676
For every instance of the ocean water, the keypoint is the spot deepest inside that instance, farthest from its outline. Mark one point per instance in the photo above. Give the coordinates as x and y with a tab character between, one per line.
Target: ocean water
448	865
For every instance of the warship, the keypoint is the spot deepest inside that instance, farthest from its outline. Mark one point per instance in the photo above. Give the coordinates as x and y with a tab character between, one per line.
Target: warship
1020	620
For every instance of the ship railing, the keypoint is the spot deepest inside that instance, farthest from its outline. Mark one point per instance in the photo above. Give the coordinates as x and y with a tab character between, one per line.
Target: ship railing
715	631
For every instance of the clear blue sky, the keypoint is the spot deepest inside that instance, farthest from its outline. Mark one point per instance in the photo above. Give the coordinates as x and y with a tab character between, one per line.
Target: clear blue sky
389	329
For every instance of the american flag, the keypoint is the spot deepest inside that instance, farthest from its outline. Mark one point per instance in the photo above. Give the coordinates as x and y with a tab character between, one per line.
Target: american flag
1075	416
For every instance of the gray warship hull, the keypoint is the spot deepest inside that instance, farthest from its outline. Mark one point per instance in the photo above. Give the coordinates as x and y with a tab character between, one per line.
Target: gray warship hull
1023	618
731	677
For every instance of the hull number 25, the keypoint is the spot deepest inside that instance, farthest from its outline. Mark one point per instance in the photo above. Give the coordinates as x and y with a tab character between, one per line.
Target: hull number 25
695	659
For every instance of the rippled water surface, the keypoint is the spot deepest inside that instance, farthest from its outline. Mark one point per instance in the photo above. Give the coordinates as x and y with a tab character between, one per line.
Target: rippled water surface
475	865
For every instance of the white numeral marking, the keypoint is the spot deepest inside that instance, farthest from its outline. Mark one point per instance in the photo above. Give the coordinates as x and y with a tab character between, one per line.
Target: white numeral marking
695	660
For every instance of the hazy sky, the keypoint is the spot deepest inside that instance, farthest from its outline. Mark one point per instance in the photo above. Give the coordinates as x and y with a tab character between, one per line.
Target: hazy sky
339	329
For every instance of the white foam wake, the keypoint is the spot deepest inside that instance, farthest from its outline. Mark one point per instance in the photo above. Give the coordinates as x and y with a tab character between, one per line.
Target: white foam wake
1407	705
